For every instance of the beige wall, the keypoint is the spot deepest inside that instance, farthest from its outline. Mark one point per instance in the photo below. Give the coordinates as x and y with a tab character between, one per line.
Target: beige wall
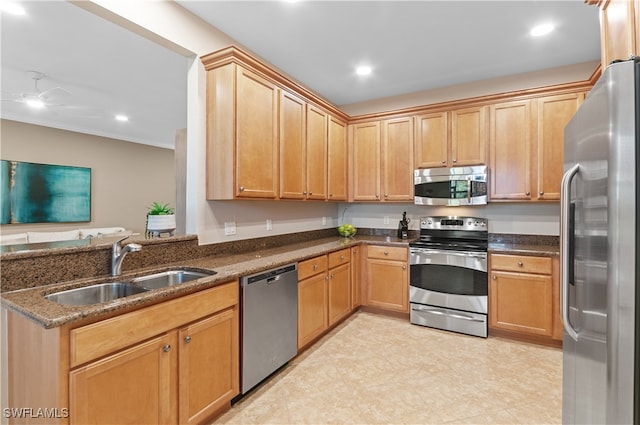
125	177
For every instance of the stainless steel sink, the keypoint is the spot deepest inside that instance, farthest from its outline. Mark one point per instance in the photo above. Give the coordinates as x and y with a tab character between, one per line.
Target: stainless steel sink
170	278
95	294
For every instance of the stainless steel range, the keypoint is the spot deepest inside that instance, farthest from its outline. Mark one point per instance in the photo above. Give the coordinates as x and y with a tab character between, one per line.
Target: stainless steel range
448	277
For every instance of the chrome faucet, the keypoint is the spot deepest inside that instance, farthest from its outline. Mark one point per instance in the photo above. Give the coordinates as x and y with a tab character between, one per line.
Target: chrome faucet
118	254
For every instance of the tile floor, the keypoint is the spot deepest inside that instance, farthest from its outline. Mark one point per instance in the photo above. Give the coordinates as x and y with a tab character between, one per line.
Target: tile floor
374	369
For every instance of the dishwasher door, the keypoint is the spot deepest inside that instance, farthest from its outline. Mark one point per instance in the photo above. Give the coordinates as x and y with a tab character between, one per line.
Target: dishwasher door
269	322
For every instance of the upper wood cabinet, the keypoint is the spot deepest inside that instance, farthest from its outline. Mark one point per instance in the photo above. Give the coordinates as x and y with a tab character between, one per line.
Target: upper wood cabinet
303	149
451	138
527	147
365	168
337	160
510	150
242	134
316	153
382	154
619	29
292	146
553	114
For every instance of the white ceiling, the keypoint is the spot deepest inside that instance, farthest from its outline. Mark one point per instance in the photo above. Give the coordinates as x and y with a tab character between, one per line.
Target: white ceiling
412	46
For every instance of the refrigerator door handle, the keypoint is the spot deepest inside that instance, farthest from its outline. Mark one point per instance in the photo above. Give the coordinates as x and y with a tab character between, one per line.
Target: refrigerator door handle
565	229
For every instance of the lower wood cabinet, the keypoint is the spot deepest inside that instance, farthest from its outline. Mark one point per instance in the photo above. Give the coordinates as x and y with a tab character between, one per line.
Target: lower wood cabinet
524	295
324	294
387	285
173	362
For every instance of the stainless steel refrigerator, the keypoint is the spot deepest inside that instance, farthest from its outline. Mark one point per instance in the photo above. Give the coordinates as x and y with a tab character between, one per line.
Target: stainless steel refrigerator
599	247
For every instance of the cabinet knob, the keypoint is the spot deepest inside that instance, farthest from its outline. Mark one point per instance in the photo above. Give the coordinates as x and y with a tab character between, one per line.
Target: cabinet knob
241	188
494	277
187	339
342	257
454	161
332	276
520	264
541	193
315	267
404	267
386	195
377	196
386	253
444	162
331	195
166	348
528	193
310	193
326	277
304	193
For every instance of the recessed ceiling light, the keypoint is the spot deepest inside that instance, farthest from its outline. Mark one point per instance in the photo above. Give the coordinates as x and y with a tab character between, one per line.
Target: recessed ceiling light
35	103
12	8
363	70
541	29
122	118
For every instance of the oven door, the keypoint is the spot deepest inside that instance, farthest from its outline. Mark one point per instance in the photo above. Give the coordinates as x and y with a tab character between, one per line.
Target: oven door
449	279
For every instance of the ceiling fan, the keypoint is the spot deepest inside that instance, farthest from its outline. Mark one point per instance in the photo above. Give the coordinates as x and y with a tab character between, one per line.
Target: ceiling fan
40	99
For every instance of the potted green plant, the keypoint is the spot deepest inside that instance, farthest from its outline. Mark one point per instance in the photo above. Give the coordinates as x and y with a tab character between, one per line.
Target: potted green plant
161	218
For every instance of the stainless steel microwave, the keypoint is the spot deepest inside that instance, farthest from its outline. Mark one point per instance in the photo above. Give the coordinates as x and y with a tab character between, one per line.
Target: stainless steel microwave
451	186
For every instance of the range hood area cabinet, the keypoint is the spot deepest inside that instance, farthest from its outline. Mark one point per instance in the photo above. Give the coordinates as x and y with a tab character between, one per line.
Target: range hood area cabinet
454	138
382	160
267	141
526	143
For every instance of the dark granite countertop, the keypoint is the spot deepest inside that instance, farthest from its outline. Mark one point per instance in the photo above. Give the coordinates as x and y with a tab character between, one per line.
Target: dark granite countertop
534	245
32	304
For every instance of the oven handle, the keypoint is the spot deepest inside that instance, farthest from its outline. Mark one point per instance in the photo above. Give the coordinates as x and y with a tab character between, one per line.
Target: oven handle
479	256
441	313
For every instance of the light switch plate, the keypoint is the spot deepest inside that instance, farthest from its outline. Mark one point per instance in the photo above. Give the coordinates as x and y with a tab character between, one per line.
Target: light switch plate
269	224
229	228
386	219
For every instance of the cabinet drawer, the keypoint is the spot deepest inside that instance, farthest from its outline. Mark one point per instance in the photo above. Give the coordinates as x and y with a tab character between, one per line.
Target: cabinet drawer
98	339
312	267
387	253
338	258
521	263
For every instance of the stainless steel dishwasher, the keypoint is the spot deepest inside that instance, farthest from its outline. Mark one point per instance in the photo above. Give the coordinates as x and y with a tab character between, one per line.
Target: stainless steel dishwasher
269	322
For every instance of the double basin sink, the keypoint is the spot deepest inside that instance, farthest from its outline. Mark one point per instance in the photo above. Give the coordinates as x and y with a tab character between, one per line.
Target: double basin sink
104	292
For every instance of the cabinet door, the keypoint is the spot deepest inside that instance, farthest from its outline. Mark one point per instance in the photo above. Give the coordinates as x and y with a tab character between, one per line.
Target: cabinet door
431	140
618	30
133	386
366	161
388	285
337	161
510	150
521	302
208	366
554	112
256	136
339	293
356	275
397	159
316	153
468	137
312	308
292	147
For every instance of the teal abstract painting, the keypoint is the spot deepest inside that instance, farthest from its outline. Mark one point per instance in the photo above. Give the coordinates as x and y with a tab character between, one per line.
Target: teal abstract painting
44	193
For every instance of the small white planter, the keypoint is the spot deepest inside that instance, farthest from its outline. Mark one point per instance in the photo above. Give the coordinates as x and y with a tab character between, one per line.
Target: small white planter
157	224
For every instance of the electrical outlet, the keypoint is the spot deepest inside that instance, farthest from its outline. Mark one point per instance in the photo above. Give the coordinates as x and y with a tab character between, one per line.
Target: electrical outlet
229	228
324	221
386	219
269	224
